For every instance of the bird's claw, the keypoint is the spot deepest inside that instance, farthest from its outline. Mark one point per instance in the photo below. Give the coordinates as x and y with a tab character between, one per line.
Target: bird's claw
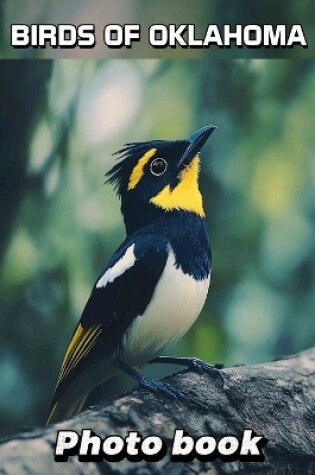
202	367
167	389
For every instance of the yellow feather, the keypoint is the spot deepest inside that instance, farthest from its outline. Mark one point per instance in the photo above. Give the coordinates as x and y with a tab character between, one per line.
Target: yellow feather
73	356
137	172
76	337
85	348
81	343
186	195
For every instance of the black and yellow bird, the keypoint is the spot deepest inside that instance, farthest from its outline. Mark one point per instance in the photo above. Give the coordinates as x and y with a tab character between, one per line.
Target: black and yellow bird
155	285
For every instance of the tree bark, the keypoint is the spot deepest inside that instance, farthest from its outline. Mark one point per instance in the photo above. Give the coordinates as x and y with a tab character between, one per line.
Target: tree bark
276	400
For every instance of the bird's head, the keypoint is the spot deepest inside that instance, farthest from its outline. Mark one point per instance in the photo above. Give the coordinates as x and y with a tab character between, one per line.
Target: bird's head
157	177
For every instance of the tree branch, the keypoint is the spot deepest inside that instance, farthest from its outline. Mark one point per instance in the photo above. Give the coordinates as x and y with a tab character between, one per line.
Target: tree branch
276	400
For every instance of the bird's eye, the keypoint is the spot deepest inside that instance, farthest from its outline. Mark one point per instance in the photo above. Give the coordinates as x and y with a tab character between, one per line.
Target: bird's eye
158	166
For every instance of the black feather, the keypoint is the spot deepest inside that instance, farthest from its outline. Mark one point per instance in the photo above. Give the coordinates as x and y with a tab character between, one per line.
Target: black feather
129	155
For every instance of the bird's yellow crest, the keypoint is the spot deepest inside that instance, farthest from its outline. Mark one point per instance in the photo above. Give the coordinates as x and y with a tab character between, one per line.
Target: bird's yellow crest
186	195
137	173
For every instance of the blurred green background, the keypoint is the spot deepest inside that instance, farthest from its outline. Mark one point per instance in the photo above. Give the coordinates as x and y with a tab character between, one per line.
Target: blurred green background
59	124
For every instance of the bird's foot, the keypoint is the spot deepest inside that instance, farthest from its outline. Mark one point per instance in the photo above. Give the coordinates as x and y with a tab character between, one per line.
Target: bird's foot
165	388
191	363
200	366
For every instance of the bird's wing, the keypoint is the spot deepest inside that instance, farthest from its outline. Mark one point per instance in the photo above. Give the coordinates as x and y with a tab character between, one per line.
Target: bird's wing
121	293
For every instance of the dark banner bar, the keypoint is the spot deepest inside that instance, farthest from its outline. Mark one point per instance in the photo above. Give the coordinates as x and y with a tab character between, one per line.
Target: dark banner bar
160	29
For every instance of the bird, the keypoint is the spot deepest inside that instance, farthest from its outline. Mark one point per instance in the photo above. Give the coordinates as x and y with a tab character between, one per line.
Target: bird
155	285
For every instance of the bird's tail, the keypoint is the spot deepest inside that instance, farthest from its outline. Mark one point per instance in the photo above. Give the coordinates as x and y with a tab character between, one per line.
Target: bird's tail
64	409
70	401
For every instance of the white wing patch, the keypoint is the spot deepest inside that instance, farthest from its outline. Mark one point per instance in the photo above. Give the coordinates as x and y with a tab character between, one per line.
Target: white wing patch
124	263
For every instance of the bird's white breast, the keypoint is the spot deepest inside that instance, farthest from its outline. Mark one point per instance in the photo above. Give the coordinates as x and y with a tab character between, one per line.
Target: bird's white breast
176	303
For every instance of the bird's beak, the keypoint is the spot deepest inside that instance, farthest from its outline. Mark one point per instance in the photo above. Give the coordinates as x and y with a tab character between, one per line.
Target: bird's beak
196	142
